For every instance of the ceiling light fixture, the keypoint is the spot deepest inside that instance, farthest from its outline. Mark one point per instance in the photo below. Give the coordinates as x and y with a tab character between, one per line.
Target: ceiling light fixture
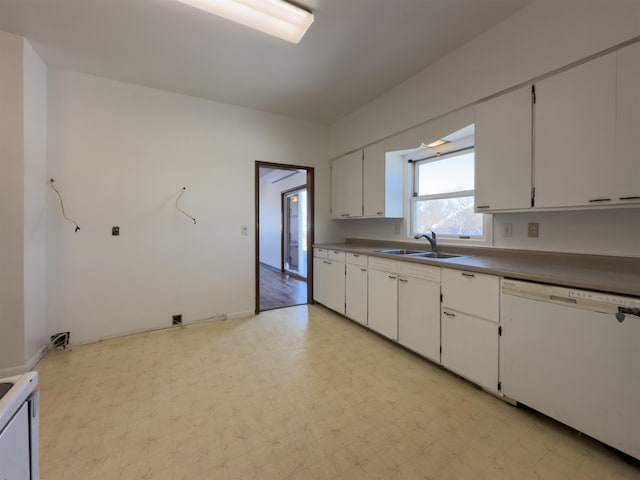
275	17
435	144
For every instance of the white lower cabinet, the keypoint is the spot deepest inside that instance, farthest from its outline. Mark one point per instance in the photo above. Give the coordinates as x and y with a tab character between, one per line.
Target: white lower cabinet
470	348
383	302
470	326
329	283
356	292
419	310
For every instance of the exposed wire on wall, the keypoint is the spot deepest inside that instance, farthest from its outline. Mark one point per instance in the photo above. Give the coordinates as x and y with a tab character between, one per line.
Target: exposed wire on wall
178	206
64	214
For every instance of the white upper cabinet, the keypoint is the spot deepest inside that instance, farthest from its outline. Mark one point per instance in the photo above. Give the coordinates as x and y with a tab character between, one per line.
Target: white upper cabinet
366	183
503	152
575	117
627	155
346	186
382	183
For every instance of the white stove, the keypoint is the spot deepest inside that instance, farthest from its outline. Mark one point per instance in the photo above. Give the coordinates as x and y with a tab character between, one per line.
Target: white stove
19	427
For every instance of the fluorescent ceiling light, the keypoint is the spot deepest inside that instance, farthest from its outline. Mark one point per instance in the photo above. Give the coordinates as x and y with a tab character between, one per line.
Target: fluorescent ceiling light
275	17
435	144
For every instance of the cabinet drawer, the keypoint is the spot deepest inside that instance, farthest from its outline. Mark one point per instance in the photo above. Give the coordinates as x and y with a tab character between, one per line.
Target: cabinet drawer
383	264
426	272
357	259
320	252
477	294
336	255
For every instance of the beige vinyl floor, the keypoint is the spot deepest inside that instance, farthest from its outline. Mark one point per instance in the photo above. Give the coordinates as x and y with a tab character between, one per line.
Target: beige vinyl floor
297	393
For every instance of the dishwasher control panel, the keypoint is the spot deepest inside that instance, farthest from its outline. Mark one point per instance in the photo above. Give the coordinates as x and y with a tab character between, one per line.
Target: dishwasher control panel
600	297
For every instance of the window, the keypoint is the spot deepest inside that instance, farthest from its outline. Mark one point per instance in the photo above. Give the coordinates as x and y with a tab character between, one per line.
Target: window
444	197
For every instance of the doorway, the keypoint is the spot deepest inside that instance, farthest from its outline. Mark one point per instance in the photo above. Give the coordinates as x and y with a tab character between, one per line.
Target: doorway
284	235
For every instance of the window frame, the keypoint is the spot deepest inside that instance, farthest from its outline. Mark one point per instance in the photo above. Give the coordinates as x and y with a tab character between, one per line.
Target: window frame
487	219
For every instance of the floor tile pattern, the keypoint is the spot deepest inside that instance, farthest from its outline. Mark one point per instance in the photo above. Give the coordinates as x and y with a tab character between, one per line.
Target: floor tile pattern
297	393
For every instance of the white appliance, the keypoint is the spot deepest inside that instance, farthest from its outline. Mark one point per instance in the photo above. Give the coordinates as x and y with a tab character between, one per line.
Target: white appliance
19	427
574	355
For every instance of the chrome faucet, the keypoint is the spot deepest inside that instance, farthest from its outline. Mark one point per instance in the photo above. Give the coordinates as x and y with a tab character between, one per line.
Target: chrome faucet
432	239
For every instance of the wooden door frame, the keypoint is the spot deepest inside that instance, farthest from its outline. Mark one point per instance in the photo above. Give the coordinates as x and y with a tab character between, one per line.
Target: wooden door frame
310	224
282	229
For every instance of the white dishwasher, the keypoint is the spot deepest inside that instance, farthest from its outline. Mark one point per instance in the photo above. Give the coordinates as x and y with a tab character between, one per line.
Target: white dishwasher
574	355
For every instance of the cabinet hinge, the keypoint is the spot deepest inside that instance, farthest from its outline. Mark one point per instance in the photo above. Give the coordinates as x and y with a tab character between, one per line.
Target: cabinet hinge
500	331
441	298
440	348
499	386
533	93
533	196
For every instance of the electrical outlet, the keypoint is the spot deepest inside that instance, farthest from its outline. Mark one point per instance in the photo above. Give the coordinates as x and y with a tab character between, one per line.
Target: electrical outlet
244	230
533	230
115	231
508	230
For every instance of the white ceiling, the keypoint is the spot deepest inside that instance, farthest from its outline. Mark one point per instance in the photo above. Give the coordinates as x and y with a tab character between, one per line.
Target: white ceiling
354	51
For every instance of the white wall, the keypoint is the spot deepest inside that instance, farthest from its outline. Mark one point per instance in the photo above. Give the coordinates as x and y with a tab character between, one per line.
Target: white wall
11	206
35	185
120	153
271	216
542	37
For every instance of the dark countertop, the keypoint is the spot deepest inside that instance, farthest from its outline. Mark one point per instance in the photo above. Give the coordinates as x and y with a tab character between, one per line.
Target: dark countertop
619	275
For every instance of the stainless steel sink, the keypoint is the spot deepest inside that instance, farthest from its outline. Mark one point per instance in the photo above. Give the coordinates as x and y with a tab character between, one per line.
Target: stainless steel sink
418	253
434	255
402	251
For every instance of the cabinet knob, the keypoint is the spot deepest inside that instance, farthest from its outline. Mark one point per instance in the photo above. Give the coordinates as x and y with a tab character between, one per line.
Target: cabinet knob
480	207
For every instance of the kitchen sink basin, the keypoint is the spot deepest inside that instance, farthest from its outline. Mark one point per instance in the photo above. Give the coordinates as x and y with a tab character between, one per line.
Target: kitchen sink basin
402	251
419	253
434	255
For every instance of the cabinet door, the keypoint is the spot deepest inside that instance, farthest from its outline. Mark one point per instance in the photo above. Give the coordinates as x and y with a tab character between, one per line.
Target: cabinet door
356	293
335	287
419	316
627	157
383	303
320	279
470	348
503	142
14	447
575	113
346	186
382	183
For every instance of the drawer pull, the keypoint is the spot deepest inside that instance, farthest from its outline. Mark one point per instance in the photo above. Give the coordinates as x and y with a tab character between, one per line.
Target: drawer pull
345	215
335	251
596	200
355	255
379	213
403	280
449	314
392	277
481	207
363	269
328	263
630	198
470	275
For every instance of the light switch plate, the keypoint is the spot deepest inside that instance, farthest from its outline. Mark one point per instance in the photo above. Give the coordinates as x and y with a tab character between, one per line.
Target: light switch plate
533	230
244	230
508	230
